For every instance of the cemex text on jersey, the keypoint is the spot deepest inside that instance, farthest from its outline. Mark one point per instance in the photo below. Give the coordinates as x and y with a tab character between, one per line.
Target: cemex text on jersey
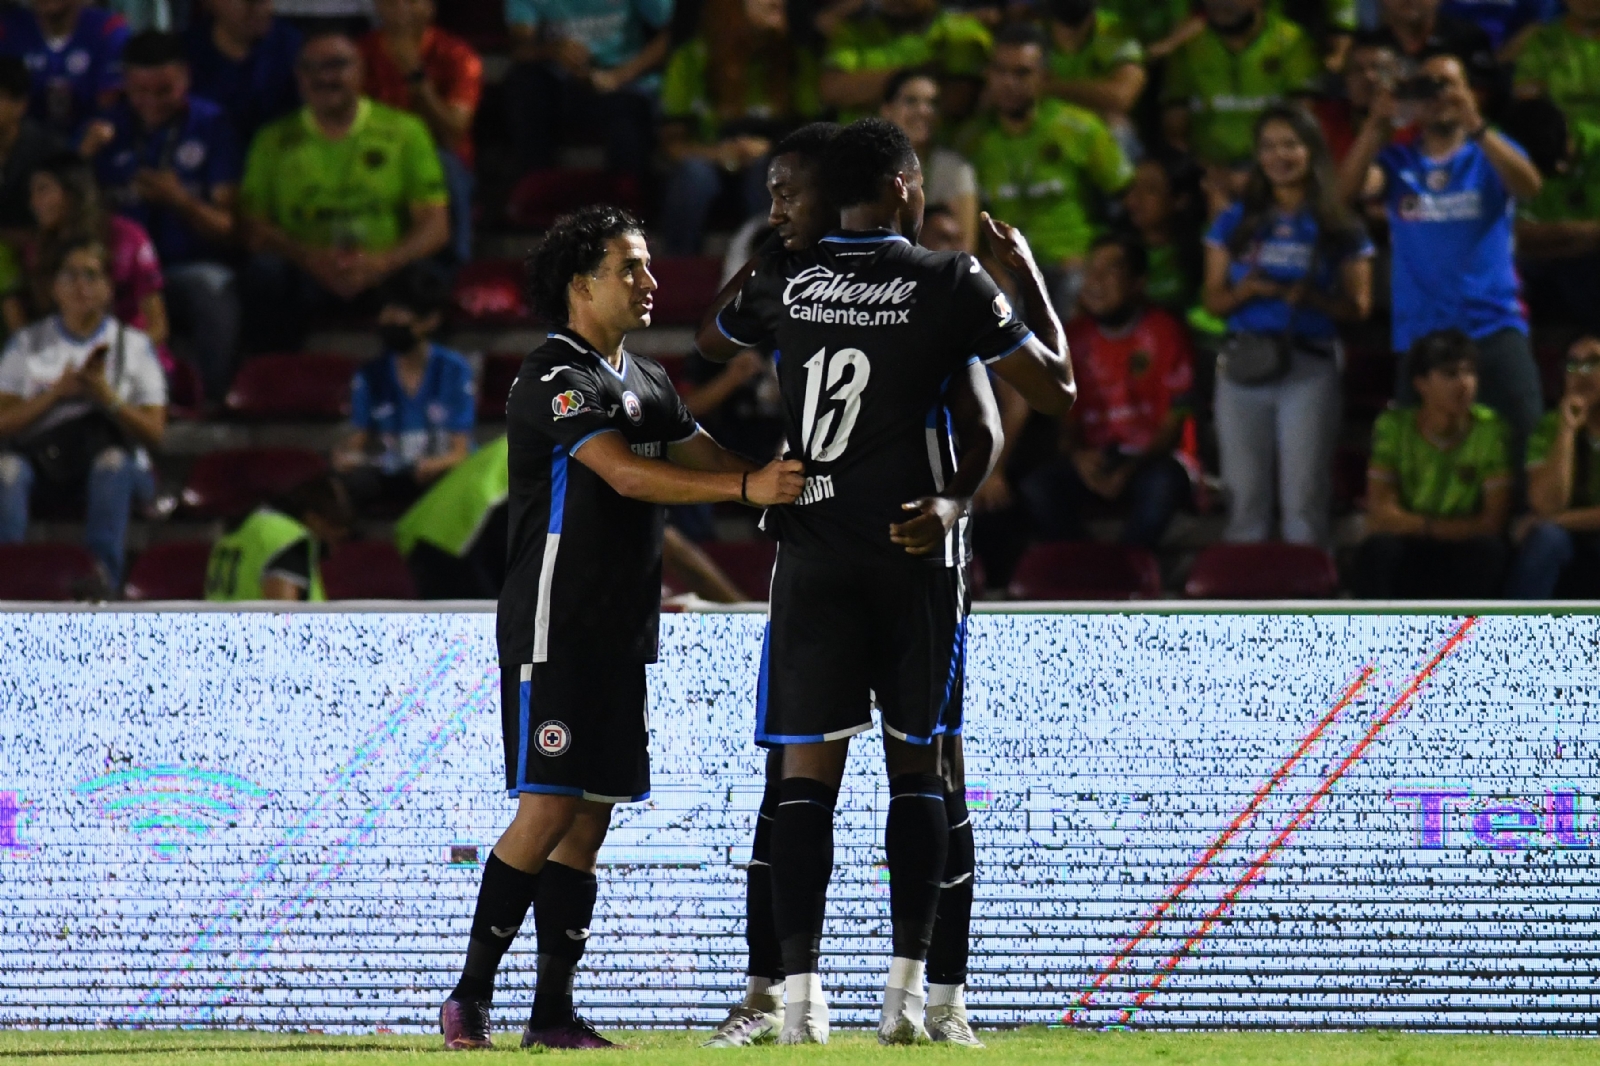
809	293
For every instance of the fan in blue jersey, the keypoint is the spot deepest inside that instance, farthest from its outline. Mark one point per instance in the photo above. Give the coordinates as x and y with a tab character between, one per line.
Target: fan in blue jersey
74	56
597	442
1450	196
872	337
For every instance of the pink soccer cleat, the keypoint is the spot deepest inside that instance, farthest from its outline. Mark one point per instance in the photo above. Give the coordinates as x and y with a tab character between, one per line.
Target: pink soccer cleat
576	1034
465	1024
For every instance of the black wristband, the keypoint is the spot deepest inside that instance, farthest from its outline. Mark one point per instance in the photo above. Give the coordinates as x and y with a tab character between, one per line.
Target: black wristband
744	485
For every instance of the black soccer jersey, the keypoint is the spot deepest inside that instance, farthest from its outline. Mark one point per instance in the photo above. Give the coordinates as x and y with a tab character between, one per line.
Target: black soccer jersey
868	331
584	563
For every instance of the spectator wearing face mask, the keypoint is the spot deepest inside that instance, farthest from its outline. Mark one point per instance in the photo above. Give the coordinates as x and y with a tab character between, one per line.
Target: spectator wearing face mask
413	408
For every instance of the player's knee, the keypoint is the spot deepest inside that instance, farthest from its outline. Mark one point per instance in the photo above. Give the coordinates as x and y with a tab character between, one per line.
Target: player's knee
544	817
819	762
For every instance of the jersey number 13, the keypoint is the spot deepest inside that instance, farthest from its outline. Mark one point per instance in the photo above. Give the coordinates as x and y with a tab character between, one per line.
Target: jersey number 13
825	439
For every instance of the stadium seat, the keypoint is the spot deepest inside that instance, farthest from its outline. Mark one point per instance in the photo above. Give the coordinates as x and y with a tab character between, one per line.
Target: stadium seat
230	482
186	393
1086	571
292	387
173	571
748	563
489	291
1269	571
542	196
499	371
688	285
53	573
367	570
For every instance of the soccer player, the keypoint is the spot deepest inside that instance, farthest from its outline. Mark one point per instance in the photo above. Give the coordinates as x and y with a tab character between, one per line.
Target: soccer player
853	612
597	441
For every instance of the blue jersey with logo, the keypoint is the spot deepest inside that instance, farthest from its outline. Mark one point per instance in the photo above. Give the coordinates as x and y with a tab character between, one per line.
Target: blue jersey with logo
1450	224
69	76
253	90
1282	252
413	427
199	146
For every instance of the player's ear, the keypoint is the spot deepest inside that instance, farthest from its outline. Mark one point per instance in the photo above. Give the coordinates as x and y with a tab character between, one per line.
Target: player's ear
577	288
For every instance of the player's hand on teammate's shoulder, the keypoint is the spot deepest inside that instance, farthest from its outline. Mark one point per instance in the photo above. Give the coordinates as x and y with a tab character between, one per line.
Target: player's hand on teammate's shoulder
777	483
935	516
1007	244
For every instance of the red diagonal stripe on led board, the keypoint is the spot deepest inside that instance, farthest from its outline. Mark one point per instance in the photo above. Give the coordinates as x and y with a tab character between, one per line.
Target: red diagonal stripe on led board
1256	868
1227	835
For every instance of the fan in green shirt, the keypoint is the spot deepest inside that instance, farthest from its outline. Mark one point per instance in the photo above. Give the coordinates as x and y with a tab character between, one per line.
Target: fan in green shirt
1042	164
866	50
1564	448
1563	221
1093	61
1220	82
346	189
274	554
1148	20
774	94
1440	478
1561	60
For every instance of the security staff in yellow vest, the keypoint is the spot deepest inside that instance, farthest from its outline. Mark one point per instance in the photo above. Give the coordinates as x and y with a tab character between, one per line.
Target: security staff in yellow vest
275	553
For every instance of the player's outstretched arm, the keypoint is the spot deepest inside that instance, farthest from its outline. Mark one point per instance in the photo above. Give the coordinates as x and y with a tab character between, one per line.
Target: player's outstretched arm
702	452
658	481
1041	370
976	418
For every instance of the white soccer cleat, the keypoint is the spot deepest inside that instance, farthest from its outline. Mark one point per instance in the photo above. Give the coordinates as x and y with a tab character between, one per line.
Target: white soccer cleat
805	1018
747	1025
948	1024
902	1018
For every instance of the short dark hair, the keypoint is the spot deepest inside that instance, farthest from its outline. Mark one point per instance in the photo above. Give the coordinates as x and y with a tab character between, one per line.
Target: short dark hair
1134	252
1440	349
421	288
575	245
1019	34
898	80
325	496
14	80
809	142
1540	127
866	153
152	48
56	255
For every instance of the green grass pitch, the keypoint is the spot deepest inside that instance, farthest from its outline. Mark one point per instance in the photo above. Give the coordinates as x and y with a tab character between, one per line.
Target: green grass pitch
1024	1047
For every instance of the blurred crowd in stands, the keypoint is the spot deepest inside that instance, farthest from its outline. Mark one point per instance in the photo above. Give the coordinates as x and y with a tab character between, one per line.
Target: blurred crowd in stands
1331	273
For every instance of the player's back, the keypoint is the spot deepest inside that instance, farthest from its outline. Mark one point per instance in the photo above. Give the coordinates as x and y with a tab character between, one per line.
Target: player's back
869	331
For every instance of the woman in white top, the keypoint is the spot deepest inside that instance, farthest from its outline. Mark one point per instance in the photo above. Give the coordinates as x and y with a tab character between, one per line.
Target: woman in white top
911	101
81	399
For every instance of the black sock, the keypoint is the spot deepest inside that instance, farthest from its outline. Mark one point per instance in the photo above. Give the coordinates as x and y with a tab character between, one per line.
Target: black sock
916	838
802	865
947	954
503	899
766	957
561	917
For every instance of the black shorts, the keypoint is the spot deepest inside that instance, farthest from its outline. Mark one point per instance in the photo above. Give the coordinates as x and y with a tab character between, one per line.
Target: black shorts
576	727
842	637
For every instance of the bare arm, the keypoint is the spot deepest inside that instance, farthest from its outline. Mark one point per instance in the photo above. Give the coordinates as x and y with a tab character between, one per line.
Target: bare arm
1223	298
1041	370
1116	93
275	587
659	481
17	414
1386	514
429	232
701	452
695	568
1550	482
350	452
977	424
1384	511
1358	177
710	340
447	121
154	310
1520	175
